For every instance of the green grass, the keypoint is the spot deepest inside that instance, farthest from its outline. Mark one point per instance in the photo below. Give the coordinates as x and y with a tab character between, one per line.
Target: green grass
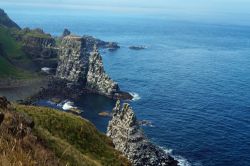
31	33
12	50
9	70
74	140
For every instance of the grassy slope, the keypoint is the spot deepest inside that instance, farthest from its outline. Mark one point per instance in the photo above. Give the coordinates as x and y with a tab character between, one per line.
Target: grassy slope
12	50
74	140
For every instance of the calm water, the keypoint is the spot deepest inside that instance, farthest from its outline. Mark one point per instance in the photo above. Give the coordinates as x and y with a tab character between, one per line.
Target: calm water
193	80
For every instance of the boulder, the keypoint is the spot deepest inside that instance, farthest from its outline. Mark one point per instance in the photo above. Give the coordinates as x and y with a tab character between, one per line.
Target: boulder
4	103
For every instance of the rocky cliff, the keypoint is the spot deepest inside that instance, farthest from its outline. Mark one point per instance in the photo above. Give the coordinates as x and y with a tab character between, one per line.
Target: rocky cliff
39	46
129	139
97	79
73	60
78	66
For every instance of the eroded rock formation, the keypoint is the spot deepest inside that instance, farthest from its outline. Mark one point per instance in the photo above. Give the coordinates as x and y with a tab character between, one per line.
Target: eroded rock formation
129	139
97	79
73	60
79	67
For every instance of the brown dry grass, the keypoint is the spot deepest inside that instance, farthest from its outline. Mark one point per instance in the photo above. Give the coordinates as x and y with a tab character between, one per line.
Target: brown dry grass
22	151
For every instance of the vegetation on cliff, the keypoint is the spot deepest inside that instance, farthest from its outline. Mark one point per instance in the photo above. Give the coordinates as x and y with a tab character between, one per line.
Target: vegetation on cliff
31	135
10	55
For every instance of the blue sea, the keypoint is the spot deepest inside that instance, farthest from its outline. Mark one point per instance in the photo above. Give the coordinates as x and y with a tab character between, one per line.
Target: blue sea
192	82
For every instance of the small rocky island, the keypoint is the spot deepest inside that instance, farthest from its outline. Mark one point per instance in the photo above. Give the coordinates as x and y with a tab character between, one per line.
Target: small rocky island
137	47
129	138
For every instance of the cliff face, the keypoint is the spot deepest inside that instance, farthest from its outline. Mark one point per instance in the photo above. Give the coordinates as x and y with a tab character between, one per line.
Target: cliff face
97	79
129	139
77	66
73	60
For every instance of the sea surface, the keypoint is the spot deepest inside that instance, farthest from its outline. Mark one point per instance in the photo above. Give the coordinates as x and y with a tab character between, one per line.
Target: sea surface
192	82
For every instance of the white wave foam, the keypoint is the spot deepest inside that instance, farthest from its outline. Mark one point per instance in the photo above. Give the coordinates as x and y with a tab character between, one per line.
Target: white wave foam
181	160
136	96
68	105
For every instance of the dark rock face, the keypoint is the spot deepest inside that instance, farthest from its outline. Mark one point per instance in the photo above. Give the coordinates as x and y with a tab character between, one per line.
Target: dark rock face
73	60
66	32
6	21
1	117
91	41
4	103
129	139
97	79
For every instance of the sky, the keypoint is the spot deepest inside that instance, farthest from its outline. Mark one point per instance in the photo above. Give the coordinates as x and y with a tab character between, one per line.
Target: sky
237	10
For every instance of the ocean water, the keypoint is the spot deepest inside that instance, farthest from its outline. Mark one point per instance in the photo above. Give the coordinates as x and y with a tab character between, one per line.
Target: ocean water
192	82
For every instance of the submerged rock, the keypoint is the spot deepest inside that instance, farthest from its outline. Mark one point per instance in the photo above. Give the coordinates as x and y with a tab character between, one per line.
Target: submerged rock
129	139
105	114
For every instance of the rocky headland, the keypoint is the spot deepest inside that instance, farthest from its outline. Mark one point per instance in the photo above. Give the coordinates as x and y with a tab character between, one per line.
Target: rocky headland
129	139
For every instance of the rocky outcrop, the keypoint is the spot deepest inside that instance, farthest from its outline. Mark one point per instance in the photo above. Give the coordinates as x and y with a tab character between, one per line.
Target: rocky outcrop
91	41
4	103
97	79
66	32
6	21
17	123
129	139
73	60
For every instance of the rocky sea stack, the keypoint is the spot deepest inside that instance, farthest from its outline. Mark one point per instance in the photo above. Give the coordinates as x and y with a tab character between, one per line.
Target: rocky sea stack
80	67
129	139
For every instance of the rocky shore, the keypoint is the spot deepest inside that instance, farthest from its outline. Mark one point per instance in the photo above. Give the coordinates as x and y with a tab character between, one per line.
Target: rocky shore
129	139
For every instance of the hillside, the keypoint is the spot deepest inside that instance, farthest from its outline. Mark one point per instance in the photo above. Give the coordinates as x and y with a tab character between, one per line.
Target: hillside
6	21
10	52
31	135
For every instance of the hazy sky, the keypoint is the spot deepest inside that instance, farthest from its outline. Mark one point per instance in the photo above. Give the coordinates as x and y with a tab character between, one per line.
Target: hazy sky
238	10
